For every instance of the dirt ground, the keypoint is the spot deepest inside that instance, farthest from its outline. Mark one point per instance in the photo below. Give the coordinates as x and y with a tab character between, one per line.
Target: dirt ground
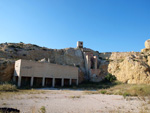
72	101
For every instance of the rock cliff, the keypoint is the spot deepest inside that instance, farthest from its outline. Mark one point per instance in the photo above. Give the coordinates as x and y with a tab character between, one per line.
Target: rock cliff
132	70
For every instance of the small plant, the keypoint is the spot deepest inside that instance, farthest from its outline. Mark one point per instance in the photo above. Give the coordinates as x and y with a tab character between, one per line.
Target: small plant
4	104
75	97
145	56
126	94
103	92
110	78
42	109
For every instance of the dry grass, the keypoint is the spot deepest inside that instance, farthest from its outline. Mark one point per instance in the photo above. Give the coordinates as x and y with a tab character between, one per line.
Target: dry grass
8	88
7	95
125	90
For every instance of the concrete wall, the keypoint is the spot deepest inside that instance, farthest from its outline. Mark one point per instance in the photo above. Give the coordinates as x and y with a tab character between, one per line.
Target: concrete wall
17	68
38	69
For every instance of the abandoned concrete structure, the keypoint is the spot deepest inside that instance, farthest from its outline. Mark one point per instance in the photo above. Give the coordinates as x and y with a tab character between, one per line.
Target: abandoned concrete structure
91	63
92	66
44	73
32	73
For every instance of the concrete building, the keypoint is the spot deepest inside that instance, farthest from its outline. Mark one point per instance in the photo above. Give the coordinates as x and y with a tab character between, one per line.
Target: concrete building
32	73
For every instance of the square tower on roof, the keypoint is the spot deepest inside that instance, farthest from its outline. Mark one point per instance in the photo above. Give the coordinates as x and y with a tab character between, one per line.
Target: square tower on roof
79	44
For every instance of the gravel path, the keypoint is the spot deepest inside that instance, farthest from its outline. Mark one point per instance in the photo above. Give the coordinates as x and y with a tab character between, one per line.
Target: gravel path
66	101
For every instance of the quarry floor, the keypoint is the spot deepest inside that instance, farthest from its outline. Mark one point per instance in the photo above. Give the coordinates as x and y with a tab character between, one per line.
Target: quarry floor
71	101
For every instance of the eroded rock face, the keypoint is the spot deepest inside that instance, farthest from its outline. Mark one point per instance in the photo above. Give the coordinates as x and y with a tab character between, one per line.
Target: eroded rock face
131	70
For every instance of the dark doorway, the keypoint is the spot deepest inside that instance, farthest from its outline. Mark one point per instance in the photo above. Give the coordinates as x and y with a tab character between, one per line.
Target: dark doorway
58	82
37	82
16	80
25	81
66	82
48	82
74	81
92	63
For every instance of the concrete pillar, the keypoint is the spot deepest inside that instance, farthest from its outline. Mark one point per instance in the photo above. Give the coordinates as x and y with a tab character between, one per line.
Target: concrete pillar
95	62
88	60
19	81
31	83
43	81
53	82
48	60
70	81
77	82
62	82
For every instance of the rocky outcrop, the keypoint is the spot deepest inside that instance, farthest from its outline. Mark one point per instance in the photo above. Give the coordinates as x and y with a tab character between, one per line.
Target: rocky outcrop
131	70
147	44
147	47
131	67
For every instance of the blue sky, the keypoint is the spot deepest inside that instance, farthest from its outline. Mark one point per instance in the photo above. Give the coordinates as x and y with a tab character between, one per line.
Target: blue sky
103	25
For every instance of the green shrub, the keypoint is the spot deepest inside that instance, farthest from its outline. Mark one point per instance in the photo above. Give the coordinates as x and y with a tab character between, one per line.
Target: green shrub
103	92
126	94
42	109
8	87
110	78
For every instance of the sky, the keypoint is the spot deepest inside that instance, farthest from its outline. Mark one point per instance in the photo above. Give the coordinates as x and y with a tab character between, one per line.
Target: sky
102	25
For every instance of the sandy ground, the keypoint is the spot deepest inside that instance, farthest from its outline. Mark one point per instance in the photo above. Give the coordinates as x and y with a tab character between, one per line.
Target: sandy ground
69	101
